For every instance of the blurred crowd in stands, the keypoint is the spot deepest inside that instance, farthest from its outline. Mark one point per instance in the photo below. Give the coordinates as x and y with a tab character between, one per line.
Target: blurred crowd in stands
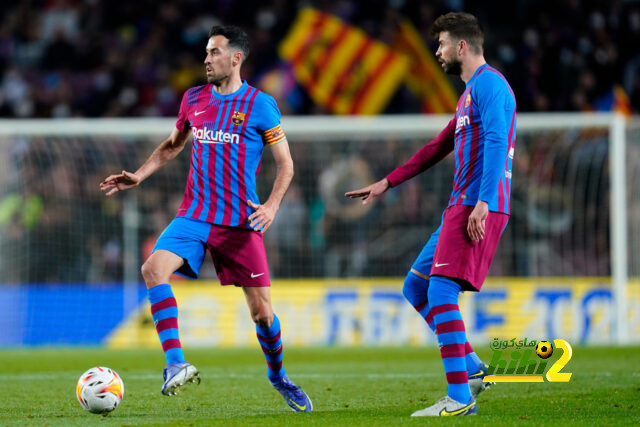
94	58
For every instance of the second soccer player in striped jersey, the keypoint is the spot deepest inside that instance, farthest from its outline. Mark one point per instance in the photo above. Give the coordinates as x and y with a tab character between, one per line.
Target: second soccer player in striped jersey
458	254
231	123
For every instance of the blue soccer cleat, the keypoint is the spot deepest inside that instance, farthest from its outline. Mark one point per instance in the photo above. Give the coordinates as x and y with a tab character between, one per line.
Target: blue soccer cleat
177	375
476	384
297	399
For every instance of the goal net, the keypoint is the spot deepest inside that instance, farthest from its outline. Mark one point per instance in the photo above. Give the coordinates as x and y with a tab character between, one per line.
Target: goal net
575	201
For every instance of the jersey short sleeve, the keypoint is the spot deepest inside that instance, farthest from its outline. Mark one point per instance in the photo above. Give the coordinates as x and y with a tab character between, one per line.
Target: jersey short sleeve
183	124
268	120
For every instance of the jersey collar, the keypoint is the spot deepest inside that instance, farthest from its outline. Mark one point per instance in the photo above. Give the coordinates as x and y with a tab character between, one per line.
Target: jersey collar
478	70
242	88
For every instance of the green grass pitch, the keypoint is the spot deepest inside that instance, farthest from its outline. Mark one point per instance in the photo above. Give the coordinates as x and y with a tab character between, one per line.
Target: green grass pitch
348	386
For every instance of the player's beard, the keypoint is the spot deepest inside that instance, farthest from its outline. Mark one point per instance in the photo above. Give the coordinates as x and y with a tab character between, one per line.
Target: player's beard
217	79
453	67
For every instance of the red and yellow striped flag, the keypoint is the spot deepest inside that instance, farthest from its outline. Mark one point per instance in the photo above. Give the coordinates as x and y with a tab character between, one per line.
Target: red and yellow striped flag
342	68
425	77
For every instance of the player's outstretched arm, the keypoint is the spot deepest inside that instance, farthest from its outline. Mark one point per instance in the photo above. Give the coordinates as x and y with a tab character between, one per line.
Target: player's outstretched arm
369	192
165	152
264	214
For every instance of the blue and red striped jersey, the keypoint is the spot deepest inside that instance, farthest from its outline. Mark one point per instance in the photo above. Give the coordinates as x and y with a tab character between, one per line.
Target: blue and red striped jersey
229	134
484	139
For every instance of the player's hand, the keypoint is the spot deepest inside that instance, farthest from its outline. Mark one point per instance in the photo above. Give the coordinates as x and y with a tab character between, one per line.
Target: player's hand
369	192
477	221
120	182
263	216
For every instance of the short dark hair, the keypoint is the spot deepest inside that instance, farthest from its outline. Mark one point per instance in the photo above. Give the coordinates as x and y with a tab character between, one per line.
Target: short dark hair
461	26
238	39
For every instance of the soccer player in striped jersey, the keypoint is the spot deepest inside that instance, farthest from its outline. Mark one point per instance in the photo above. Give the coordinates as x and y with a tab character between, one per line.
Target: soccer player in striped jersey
458	254
231	123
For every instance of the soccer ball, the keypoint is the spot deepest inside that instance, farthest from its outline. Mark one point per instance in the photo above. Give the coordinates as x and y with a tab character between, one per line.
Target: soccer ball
544	349
100	390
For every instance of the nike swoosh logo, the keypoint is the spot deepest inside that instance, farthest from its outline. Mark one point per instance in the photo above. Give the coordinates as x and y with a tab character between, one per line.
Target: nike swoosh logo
441	265
253	276
445	413
197	113
302	408
478	374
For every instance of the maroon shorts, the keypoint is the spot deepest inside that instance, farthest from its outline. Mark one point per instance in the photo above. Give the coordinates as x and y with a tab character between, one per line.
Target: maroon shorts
239	256
457	256
238	253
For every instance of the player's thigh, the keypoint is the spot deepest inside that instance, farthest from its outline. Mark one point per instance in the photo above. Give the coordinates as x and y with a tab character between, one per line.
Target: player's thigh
186	238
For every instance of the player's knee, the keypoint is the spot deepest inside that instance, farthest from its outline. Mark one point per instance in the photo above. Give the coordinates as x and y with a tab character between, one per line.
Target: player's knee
144	270
263	318
151	274
408	287
413	287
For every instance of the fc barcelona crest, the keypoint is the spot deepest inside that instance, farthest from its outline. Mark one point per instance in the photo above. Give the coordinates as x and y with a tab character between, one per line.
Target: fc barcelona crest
237	118
467	101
